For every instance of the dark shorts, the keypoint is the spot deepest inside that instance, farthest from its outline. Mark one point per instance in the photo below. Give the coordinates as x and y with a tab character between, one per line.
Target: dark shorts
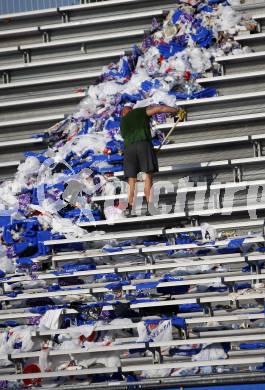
139	157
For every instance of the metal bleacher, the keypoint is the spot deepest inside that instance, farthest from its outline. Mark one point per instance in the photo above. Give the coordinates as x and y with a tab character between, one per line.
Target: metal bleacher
45	56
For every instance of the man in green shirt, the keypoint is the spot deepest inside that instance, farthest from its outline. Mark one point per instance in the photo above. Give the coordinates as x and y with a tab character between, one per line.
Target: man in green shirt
139	154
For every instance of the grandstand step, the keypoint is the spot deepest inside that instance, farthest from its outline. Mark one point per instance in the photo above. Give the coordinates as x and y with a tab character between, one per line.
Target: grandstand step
35	121
49	99
68	48
157	219
84	255
74	27
104	25
214	170
38	107
89	11
211	128
254	41
8	164
50	86
234	104
231	84
59	66
20	142
232	64
179	189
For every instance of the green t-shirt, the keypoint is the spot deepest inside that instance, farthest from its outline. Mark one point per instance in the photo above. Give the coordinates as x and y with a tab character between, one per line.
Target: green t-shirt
135	126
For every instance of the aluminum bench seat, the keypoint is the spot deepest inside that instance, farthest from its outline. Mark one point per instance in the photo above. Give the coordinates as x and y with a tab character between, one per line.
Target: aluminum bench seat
89	254
126	343
231	332
221	362
166	148
255	41
151	249
9	50
201	279
19	31
101	8
187	126
23	314
149	232
212	121
60	31
191	321
245	361
141	345
190	318
70	47
27	14
62	43
232	104
49	80
58	374
201	300
225	318
242	62
38	87
195	189
231	84
8	164
28	121
42	100
101	20
170	170
162	264
17	315
198	281
166	151
250	37
198	144
70	60
99	253
231	77
49	11
134	326
103	5
19	142
221	99
195	129
59	66
177	299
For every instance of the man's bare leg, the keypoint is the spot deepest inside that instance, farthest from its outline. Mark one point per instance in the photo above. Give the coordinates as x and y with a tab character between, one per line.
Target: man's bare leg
131	194
148	186
132	186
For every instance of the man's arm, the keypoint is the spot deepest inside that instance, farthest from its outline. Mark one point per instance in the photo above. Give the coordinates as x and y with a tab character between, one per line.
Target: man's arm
161	108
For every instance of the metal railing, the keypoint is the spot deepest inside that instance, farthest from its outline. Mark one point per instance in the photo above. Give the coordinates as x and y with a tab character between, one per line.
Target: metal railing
14	6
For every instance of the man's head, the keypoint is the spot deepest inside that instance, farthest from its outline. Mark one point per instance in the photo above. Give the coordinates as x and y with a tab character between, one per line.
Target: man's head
126	109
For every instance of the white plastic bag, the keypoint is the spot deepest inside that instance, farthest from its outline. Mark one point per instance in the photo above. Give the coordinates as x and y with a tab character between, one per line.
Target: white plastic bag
50	320
113	213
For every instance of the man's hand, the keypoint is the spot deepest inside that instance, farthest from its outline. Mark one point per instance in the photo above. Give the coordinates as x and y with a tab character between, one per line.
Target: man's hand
181	114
